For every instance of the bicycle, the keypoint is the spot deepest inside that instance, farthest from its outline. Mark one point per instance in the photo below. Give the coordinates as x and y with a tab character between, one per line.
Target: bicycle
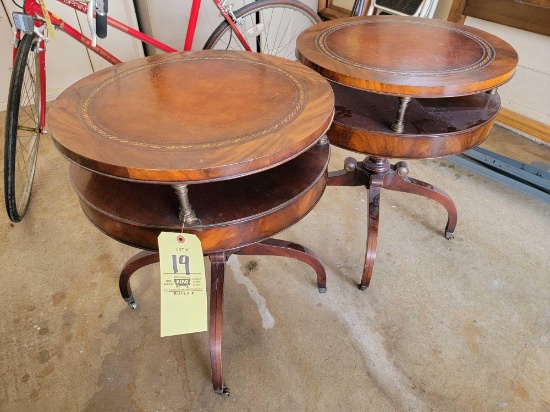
265	26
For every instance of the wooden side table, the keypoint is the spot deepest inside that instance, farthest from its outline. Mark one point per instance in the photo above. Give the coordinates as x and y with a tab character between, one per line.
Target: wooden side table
225	145
407	88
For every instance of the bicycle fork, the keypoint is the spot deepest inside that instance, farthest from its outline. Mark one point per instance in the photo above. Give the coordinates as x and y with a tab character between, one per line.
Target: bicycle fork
227	13
23	23
256	30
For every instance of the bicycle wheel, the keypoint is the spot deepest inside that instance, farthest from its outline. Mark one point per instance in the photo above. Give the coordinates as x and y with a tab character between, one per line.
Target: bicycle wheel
22	128
269	26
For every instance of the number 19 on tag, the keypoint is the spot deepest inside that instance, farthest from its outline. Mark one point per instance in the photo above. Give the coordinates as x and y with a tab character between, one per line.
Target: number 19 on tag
183	304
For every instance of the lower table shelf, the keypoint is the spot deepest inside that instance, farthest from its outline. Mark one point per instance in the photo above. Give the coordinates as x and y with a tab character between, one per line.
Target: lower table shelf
233	213
432	127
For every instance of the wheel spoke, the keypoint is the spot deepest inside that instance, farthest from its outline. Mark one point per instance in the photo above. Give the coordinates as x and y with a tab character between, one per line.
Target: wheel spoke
270	26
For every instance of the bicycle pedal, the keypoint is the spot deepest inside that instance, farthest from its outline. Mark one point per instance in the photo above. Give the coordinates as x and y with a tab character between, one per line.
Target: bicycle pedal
23	22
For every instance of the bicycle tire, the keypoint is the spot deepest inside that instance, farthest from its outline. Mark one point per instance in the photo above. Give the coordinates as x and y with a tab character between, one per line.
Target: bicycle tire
290	17
22	130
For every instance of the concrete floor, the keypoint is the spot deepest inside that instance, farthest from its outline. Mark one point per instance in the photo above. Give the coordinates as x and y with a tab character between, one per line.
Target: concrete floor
461	325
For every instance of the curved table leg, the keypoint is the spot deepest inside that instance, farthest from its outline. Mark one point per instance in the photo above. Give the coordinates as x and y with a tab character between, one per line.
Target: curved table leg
136	262
372	233
409	185
217	264
375	174
277	247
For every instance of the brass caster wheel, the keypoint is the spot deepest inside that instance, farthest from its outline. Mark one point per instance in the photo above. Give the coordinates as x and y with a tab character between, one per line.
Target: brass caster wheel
222	392
131	302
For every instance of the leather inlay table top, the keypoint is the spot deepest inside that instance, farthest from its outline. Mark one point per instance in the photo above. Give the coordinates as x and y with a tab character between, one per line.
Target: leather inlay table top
194	117
407	56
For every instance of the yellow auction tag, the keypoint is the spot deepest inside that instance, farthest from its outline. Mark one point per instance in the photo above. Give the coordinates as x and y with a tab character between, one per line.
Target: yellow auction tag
51	31
183	305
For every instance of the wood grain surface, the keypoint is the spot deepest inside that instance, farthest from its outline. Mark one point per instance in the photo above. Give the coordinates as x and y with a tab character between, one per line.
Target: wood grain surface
524	124
432	127
407	56
233	213
195	116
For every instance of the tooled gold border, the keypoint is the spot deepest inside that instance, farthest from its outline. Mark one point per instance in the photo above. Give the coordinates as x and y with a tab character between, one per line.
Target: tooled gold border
488	51
291	113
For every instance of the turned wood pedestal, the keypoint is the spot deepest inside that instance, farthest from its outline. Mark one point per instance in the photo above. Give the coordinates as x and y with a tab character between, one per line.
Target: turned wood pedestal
228	146
405	88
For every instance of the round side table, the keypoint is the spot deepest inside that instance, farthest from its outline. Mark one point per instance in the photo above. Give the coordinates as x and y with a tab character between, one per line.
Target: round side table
406	88
228	146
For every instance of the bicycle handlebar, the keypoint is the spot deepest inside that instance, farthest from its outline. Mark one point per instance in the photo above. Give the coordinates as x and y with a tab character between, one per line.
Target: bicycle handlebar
98	26
101	18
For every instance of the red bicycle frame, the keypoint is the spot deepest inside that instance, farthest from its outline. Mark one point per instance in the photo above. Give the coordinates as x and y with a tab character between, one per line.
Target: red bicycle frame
33	8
